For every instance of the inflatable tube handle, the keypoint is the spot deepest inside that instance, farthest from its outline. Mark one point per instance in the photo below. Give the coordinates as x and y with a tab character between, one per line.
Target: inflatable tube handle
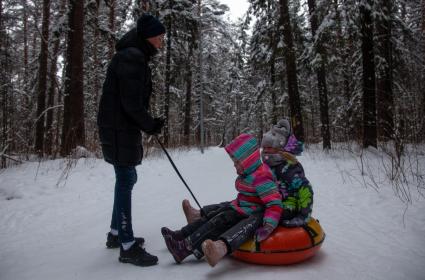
257	246
311	233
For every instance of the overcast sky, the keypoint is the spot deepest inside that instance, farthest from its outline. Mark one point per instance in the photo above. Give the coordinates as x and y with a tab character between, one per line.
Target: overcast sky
237	7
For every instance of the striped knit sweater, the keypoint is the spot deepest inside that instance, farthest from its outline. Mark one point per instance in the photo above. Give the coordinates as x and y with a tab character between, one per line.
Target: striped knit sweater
257	190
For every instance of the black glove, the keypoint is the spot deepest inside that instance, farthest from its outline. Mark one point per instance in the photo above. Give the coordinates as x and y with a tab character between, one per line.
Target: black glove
158	123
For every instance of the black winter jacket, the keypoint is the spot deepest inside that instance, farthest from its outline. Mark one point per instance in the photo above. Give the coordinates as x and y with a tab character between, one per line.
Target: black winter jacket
123	109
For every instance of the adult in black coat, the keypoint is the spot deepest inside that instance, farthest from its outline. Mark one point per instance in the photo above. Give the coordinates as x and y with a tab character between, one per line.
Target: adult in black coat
123	113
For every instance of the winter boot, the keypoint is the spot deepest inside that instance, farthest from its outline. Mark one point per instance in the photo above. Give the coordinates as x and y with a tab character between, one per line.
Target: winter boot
168	233
113	242
214	251
178	248
137	255
191	213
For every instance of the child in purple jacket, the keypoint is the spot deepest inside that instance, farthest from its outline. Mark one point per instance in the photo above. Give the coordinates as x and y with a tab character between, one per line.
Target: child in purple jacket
280	148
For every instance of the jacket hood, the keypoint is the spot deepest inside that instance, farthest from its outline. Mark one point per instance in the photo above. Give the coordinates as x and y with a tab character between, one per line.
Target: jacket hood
245	149
277	136
132	40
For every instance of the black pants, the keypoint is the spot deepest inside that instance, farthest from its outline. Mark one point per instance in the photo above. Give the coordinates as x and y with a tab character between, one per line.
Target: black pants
221	221
241	232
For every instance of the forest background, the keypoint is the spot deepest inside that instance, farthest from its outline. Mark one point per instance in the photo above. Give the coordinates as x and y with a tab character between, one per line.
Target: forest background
348	73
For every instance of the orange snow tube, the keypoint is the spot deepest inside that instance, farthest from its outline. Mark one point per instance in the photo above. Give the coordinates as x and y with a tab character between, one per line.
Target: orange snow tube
284	246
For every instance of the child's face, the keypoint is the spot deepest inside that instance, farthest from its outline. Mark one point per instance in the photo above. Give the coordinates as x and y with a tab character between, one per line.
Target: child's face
238	165
270	150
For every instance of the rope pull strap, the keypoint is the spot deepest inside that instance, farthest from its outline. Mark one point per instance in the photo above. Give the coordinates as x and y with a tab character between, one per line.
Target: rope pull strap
178	173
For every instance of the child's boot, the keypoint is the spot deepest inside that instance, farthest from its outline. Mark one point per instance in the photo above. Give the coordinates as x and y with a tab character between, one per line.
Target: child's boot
214	251
178	248
191	213
175	234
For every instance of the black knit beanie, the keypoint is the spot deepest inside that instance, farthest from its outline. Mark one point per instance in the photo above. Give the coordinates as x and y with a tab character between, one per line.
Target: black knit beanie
149	26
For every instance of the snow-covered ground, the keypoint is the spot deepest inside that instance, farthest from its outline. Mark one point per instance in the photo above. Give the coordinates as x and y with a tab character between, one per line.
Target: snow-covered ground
52	230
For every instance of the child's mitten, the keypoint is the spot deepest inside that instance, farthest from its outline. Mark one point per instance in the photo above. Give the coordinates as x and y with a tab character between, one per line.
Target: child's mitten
263	232
294	222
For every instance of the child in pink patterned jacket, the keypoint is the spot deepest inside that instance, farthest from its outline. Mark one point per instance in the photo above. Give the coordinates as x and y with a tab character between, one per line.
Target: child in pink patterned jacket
258	196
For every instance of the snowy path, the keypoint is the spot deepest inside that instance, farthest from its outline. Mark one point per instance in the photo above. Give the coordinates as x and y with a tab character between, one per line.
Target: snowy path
58	232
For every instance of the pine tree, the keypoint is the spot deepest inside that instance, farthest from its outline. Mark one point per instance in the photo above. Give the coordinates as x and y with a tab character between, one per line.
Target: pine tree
291	72
167	81
247	81
73	134
385	100
42	80
112	22
53	89
422	130
369	94
25	31
3	93
321	76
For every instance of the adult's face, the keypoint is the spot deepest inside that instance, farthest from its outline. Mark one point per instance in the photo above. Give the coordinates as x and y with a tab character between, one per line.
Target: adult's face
157	41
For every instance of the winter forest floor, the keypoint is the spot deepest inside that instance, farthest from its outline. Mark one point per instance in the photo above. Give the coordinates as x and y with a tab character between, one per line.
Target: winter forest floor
52	228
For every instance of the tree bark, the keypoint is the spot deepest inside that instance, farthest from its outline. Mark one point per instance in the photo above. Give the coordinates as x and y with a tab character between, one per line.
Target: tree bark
53	88
188	100
25	30
166	108
273	79
36	18
96	64
369	94
422	132
3	88
42	81
321	77
51	99
73	134
291	72
112	8
385	104
423	17
274	40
